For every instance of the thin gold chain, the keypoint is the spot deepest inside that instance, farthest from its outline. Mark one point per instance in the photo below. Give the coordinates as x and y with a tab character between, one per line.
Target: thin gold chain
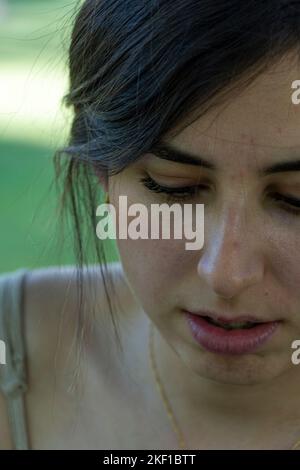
180	437
162	392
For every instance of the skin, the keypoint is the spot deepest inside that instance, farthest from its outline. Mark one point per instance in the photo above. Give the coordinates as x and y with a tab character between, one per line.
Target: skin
249	265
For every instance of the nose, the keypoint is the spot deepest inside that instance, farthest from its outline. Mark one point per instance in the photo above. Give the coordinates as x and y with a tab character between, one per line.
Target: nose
231	260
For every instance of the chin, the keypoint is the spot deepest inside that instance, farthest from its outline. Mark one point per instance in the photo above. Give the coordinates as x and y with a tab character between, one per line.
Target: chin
246	369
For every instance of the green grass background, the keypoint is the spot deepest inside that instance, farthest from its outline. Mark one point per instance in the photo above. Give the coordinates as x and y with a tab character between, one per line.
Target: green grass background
34	38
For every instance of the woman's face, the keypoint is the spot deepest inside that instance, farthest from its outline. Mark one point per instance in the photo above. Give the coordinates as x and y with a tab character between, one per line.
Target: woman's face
250	261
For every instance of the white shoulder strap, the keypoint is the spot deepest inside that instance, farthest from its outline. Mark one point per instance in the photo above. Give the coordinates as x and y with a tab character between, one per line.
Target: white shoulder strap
13	373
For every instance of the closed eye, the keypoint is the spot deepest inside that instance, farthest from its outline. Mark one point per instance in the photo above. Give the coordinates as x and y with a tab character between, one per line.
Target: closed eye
289	203
176	193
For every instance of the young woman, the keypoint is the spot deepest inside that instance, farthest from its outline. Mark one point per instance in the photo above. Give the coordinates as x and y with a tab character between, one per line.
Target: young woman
191	102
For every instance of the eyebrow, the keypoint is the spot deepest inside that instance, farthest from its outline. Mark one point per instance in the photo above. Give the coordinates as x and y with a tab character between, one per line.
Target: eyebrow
167	151
283	167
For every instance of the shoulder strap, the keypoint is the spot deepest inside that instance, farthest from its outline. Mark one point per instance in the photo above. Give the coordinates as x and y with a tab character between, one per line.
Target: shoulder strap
13	372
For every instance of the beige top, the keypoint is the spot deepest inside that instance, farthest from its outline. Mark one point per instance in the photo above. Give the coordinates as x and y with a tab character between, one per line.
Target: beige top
13	373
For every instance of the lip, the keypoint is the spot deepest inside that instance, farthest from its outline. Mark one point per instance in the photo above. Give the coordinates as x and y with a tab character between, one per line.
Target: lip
235	342
227	319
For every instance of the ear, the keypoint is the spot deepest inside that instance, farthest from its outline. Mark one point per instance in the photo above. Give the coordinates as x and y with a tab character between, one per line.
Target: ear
102	177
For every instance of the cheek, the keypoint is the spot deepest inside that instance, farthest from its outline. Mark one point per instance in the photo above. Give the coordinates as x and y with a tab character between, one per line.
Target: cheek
284	259
154	269
282	275
289	272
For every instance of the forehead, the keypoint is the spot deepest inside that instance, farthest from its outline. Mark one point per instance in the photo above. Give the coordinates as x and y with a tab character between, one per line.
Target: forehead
260	119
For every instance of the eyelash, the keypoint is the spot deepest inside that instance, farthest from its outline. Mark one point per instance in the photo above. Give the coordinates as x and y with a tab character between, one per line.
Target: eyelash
289	203
173	194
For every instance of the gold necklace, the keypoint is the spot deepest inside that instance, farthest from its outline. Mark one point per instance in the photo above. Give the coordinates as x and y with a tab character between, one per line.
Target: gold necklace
162	392
180	436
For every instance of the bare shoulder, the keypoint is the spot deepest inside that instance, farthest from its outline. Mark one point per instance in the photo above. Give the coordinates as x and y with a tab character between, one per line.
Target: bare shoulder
51	314
52	302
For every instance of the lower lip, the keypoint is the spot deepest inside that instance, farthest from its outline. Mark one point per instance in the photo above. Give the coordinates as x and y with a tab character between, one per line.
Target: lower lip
240	341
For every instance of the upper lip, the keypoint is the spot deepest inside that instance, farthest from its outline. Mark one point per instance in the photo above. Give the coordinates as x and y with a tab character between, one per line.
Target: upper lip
229	318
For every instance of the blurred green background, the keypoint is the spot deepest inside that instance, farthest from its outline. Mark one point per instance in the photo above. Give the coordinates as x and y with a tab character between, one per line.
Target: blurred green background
34	39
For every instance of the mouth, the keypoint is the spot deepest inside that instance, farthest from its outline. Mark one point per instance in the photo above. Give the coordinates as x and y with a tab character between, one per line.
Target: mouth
231	325
241	335
228	321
